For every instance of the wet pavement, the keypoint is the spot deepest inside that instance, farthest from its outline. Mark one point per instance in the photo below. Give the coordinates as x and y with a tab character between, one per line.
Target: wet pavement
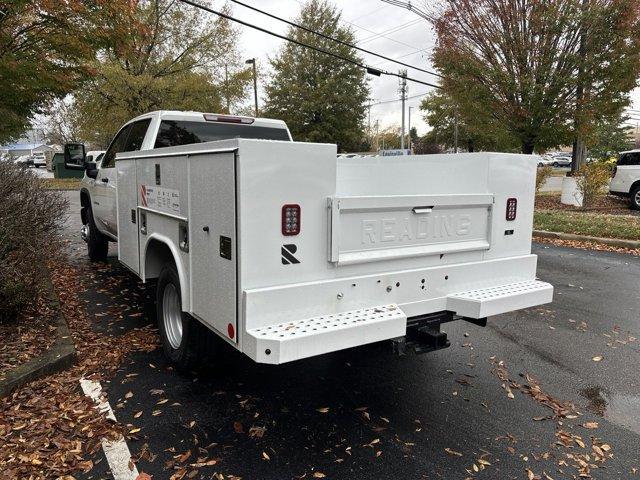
367	414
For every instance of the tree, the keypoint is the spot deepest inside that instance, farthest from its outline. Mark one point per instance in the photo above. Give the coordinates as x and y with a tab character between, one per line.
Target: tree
44	50
476	129
321	98
62	125
609	136
175	60
522	62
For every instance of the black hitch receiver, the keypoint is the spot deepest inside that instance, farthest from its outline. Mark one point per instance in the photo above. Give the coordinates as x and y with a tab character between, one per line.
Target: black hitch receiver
424	335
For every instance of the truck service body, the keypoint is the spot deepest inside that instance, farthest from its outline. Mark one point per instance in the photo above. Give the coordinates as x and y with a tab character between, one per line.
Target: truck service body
286	251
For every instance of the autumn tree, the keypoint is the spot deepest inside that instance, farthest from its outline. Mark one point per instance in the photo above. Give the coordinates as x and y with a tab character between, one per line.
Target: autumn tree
174	60
476	129
322	98
45	48
524	63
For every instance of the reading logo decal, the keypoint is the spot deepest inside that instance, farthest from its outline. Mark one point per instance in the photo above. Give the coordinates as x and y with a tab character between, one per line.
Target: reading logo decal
287	252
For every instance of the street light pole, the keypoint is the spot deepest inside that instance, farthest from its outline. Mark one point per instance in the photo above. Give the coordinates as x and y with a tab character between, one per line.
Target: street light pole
410	129
252	61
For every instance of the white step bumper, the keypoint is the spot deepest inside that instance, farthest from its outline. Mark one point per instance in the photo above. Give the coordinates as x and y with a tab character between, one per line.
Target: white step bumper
328	333
485	302
309	337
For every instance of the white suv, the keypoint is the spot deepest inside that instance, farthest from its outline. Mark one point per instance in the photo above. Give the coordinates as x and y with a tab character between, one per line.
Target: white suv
626	177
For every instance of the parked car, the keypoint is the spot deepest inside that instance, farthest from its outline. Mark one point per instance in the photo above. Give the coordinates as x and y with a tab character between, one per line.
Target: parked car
561	161
626	178
24	161
39	159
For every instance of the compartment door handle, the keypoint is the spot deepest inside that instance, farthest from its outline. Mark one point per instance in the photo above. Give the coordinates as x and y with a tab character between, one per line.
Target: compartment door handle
420	210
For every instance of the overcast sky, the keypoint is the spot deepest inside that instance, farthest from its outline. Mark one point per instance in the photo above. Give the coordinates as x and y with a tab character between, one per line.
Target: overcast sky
385	29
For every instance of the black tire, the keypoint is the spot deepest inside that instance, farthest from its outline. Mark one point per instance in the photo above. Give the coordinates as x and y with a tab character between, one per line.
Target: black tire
97	243
634	198
197	342
556	164
540	164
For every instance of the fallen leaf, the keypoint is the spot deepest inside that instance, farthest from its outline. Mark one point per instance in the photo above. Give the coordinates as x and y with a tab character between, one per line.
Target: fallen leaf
452	452
597	358
265	456
318	475
323	409
590	425
143	476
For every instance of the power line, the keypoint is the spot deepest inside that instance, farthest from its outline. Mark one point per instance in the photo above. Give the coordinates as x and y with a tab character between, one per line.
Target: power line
393	100
369	69
409	6
391	30
341	42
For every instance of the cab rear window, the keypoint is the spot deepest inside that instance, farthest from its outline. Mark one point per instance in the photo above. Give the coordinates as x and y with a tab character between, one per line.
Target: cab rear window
173	133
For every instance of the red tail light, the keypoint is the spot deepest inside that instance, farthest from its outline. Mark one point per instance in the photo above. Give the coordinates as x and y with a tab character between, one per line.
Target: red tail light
512	209
291	219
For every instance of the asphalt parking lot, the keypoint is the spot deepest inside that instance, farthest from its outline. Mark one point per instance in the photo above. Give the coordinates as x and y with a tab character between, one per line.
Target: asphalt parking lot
482	408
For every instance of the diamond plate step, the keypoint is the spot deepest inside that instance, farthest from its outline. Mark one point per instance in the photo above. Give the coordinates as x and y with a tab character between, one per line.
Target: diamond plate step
485	302
304	338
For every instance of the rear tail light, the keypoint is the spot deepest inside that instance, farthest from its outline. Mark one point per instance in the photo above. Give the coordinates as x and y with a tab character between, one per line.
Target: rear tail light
290	219
228	119
512	208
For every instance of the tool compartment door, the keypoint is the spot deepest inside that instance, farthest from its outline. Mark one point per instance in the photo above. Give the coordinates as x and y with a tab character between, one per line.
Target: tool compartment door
127	214
212	240
374	228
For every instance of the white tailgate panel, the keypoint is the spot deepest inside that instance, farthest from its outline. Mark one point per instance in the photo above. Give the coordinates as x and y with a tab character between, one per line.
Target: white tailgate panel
126	202
372	228
212	205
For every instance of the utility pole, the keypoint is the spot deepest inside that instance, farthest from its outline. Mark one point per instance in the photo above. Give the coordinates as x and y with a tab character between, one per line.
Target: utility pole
369	133
410	130
226	86
455	131
377	136
403	96
252	61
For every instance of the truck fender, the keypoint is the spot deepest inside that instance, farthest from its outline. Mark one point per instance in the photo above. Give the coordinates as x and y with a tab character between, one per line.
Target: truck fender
158	250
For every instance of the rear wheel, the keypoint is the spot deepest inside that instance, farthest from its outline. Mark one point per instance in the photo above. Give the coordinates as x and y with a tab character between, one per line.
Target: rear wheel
97	243
634	197
184	339
556	164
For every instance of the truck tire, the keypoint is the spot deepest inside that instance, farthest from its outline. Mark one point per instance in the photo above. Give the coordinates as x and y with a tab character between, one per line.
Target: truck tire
185	340
97	243
634	198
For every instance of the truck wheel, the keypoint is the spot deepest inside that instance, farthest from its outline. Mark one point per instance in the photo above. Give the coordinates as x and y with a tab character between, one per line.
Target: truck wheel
184	339
634	198
97	243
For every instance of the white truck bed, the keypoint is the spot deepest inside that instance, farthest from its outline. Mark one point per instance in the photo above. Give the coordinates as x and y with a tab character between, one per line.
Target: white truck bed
382	240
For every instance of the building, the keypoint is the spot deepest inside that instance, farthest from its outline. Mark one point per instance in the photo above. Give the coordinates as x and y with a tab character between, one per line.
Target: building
17	149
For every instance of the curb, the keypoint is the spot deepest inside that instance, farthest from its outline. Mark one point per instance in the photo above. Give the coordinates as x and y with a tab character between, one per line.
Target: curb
60	356
614	242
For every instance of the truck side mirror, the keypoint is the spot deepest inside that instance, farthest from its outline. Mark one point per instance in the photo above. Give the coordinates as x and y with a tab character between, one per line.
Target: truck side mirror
74	156
91	169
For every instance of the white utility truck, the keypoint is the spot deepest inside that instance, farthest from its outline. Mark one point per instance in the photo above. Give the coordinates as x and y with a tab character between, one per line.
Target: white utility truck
285	251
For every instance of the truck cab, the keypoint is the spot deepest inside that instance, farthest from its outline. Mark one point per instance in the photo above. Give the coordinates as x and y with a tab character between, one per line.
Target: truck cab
151	131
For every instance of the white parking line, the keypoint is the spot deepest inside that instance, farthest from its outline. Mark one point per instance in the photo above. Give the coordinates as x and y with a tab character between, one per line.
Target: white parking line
117	452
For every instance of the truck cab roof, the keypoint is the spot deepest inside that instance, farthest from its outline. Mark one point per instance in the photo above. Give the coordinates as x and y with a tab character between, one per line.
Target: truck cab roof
192	116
